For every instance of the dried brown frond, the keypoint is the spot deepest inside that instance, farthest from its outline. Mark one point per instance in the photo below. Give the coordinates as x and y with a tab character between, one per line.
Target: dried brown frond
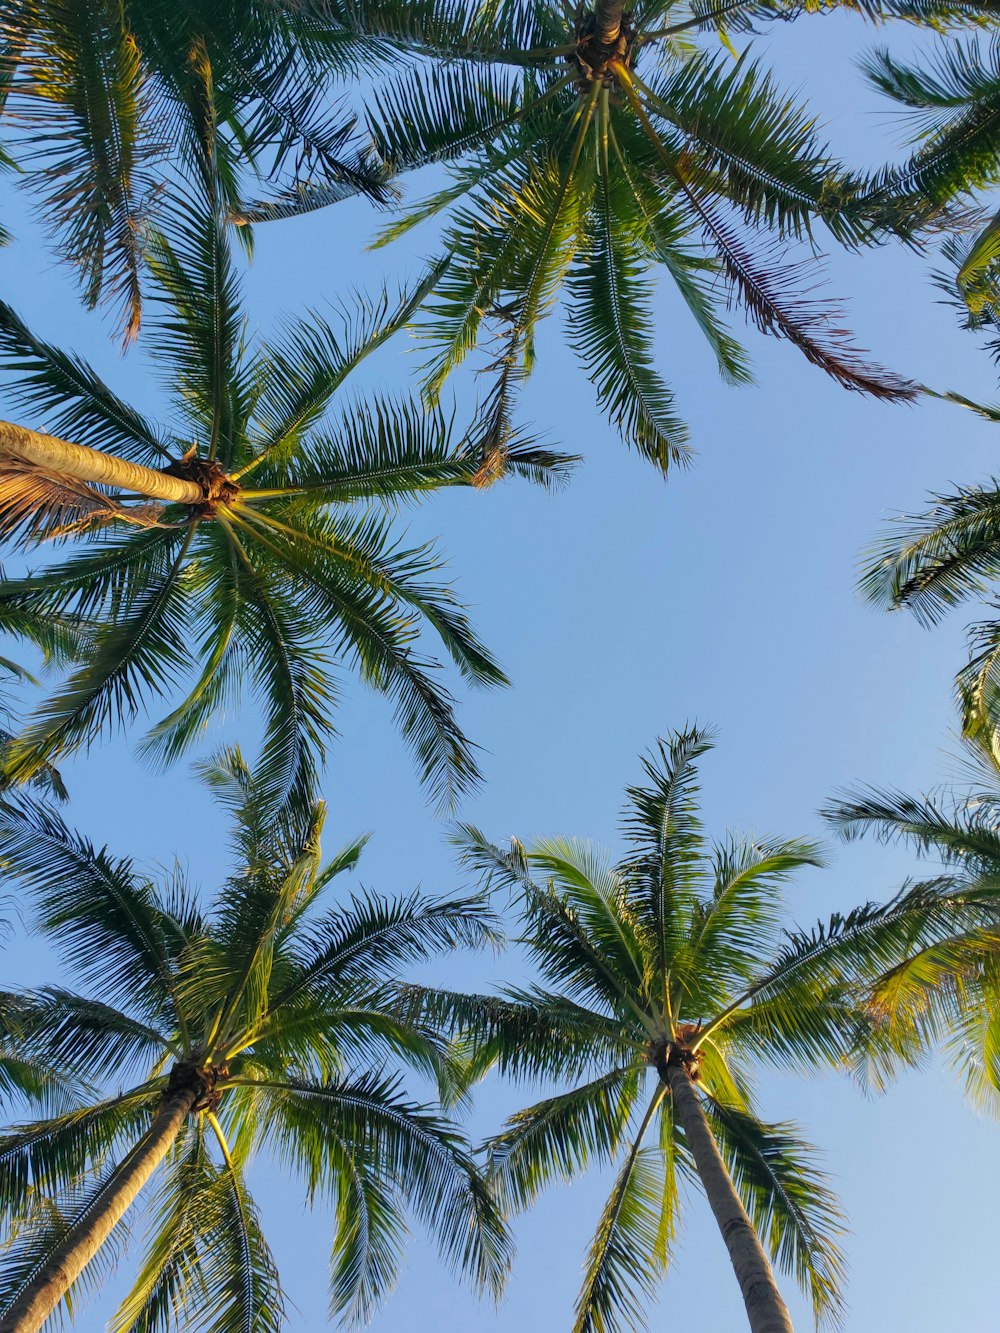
780	299
38	505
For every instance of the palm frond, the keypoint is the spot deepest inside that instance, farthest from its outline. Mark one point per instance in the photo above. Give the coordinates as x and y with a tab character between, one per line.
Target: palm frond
561	1136
940	557
609	318
76	402
788	1201
626	1261
80	92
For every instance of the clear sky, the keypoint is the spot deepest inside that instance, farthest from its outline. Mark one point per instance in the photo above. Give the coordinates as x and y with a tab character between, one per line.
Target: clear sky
621	607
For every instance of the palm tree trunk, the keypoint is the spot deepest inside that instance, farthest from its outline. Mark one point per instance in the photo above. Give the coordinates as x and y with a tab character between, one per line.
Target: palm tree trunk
65	1264
608	21
765	1309
50	454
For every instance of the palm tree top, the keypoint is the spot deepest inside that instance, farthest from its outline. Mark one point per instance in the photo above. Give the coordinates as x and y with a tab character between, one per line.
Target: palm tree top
673	958
588	145
100	100
274	1012
283	558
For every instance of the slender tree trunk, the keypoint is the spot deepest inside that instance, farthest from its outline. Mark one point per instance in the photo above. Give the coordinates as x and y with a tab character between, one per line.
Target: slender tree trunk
55	1277
608	20
51	454
765	1309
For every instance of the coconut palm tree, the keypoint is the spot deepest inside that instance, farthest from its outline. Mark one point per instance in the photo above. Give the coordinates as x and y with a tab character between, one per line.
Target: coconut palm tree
590	146
942	994
264	1025
666	982
268	550
101	98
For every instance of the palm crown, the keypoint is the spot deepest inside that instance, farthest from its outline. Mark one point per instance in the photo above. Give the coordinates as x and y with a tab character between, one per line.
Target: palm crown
101	97
589	146
263	1025
665	985
287	558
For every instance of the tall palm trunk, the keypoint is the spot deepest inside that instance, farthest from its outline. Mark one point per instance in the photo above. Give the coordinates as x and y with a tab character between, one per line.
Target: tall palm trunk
55	1277
765	1309
50	454
608	21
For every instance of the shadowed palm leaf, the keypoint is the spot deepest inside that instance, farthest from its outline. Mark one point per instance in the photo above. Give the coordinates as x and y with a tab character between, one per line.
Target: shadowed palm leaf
102	98
949	554
942	991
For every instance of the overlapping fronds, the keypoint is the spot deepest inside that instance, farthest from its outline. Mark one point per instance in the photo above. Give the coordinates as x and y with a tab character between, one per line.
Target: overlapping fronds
108	98
567	175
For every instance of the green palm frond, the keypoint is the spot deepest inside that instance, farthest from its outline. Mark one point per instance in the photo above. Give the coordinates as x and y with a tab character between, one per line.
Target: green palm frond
941	557
305	368
556	1138
523	1034
609	319
754	146
76	401
140	654
956	106
789	1203
416	1151
106	917
367	1241
79	91
625	1261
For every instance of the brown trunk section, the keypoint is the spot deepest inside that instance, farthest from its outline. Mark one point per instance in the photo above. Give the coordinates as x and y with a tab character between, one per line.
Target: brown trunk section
765	1309
608	21
49	453
52	1281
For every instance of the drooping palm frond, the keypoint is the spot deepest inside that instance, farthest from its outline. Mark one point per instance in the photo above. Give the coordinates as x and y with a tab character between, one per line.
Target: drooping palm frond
940	989
105	98
789	1201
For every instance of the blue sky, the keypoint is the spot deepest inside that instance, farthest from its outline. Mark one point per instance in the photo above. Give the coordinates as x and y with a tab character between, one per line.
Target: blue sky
621	607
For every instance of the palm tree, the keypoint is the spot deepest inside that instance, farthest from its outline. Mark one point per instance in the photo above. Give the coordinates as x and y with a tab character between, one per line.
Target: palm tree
665	983
264	1025
942	993
591	145
272	551
100	98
